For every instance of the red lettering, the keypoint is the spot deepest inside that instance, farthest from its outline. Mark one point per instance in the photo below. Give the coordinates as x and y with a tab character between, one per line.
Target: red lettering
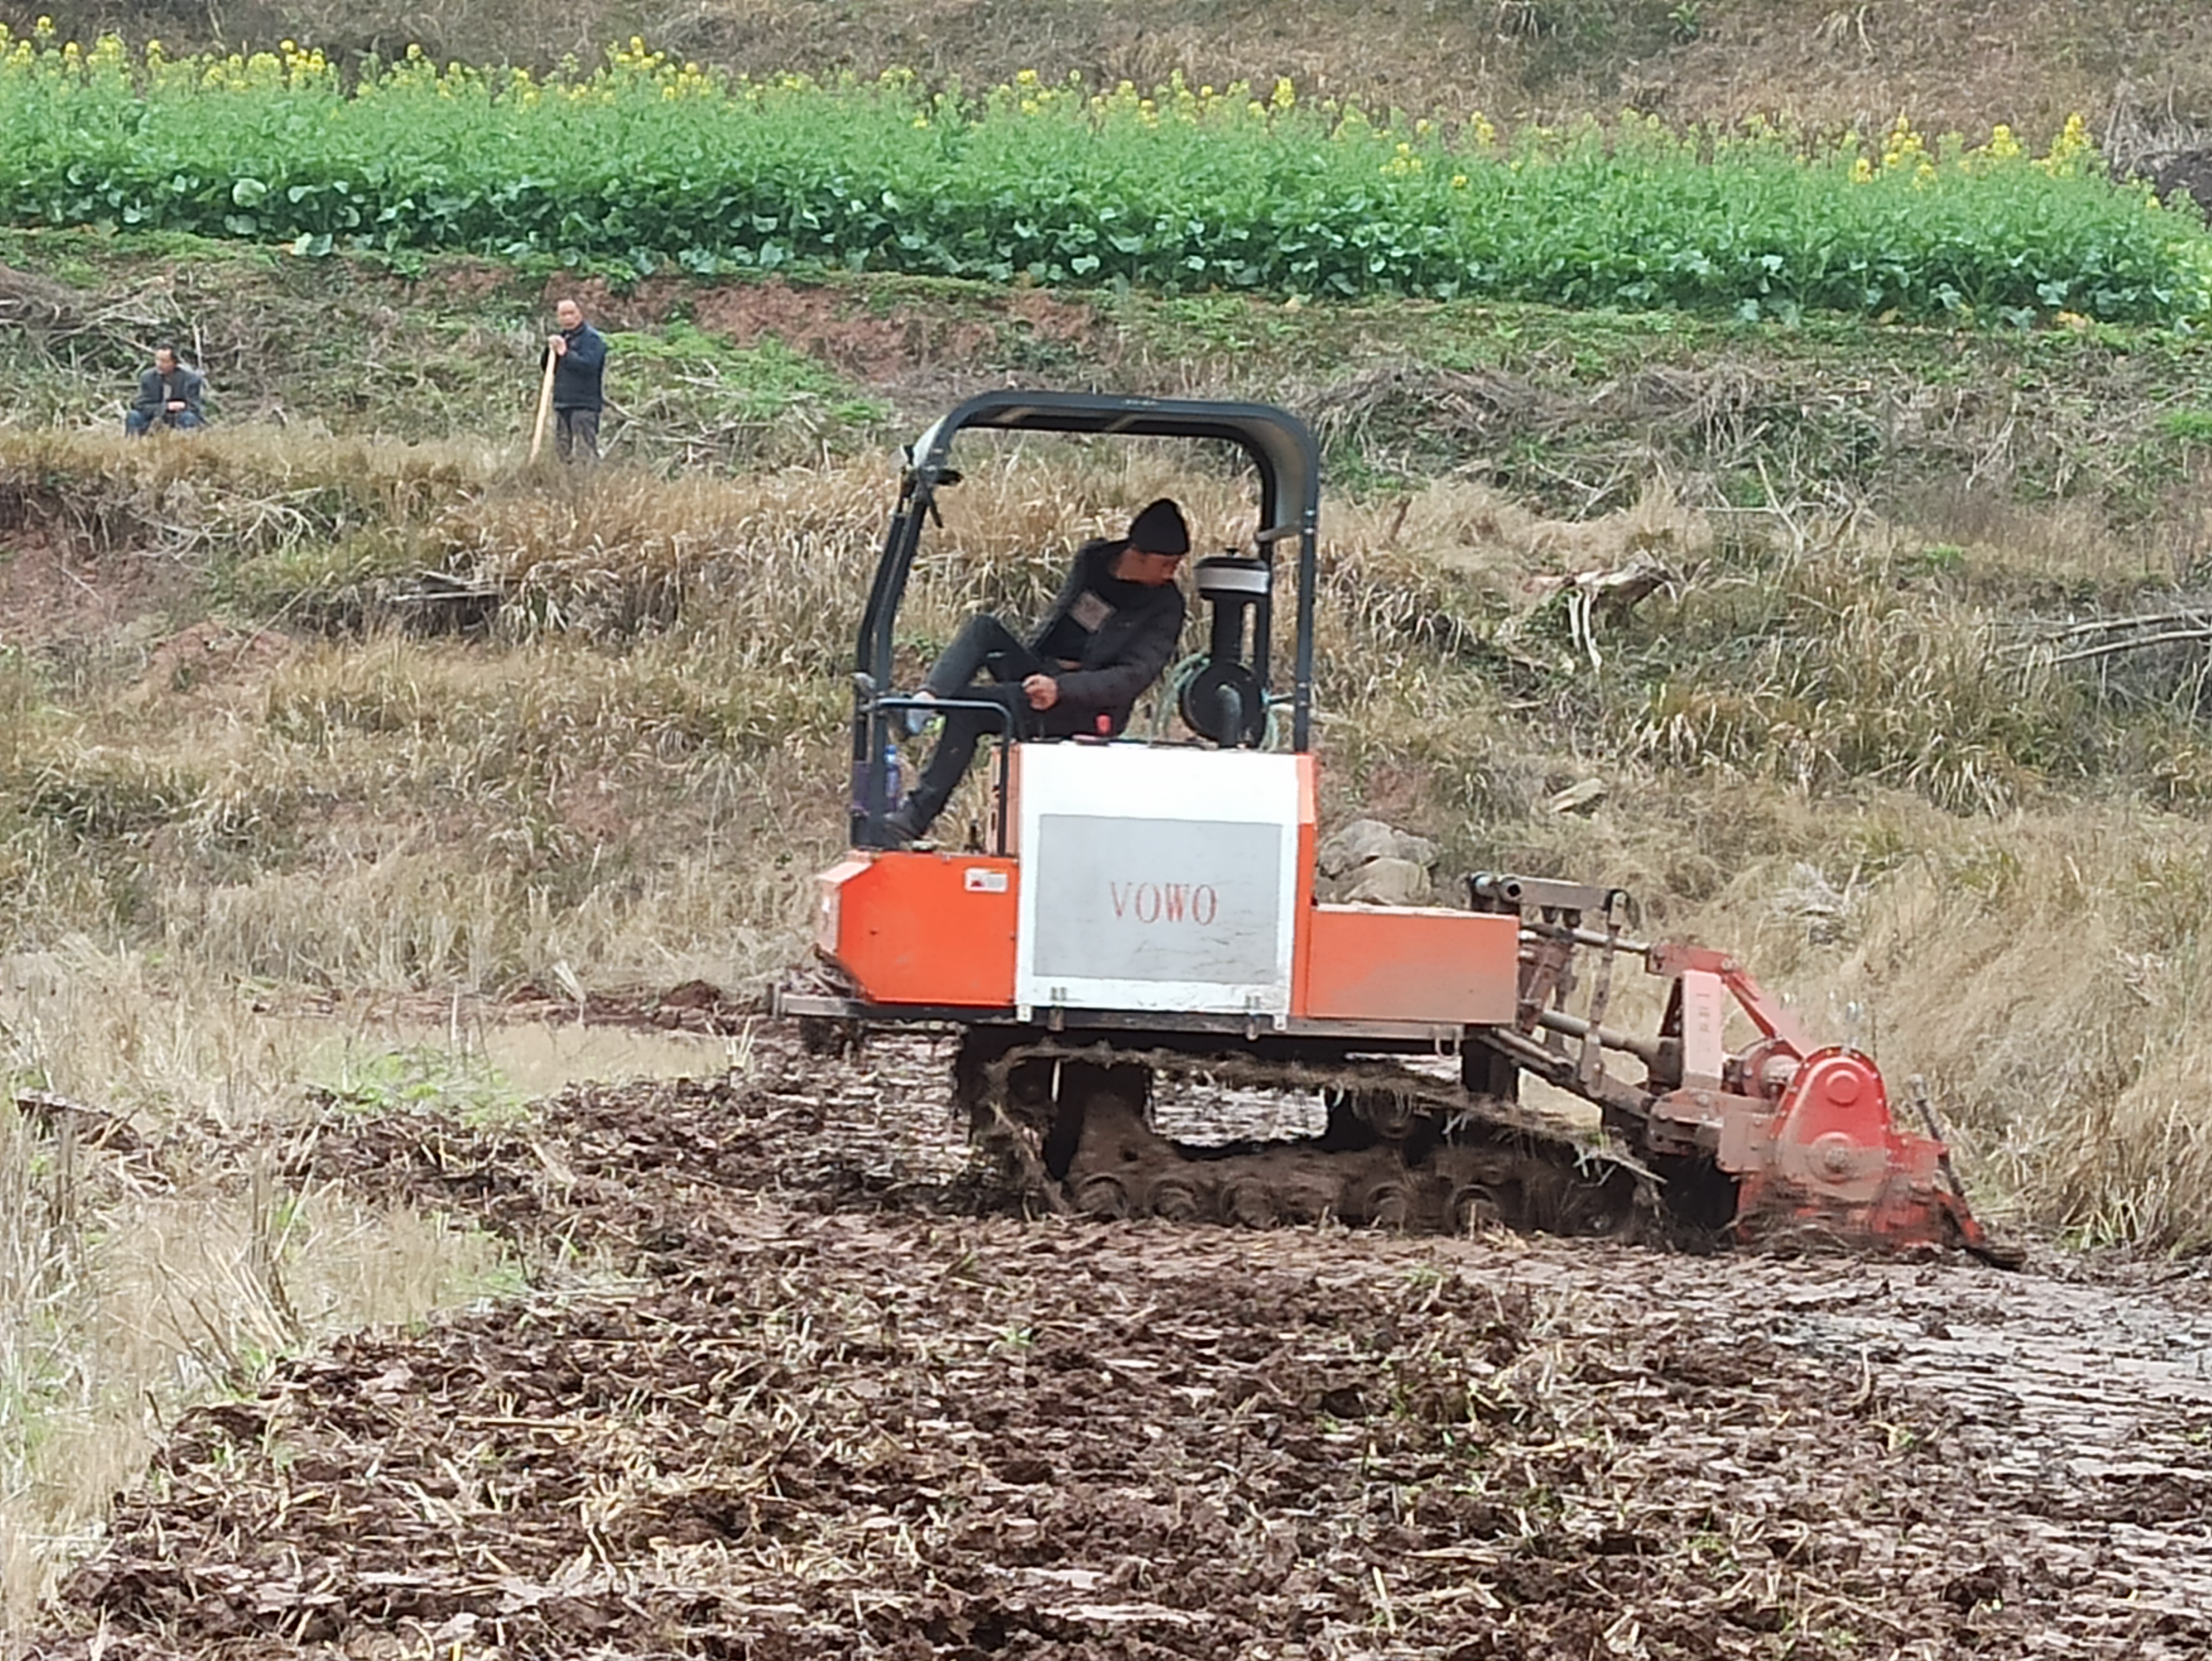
1150	903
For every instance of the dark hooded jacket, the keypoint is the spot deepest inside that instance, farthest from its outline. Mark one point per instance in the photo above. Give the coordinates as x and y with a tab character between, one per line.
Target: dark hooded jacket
1132	634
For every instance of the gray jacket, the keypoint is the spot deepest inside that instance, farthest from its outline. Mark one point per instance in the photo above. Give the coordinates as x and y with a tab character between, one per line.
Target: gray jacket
155	393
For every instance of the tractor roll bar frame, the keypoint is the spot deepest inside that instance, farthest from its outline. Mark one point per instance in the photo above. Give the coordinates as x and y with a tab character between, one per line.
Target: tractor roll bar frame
1282	450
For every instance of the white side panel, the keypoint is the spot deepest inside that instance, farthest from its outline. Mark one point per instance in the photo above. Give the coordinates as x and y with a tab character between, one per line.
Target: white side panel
1156	880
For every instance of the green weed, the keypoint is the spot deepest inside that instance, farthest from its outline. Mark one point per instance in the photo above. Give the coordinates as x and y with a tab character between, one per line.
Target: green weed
459	1085
2194	425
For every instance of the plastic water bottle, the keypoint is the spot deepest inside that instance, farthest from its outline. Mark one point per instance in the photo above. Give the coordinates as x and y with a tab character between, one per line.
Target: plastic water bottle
891	782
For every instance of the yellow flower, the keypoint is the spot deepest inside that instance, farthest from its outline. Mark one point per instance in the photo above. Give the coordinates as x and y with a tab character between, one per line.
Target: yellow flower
2071	151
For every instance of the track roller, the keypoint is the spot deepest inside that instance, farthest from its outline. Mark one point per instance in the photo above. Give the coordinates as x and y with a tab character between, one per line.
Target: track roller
1072	1128
1103	1195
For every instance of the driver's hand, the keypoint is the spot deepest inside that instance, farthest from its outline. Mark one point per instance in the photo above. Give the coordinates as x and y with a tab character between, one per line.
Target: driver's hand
1042	690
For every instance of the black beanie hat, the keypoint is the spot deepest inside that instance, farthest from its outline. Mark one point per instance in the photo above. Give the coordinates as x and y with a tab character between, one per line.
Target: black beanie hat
1160	529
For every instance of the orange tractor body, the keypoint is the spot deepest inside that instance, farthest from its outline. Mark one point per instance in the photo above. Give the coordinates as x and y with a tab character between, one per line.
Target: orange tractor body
1134	906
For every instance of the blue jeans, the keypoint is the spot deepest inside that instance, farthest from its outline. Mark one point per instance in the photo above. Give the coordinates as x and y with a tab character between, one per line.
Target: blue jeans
139	423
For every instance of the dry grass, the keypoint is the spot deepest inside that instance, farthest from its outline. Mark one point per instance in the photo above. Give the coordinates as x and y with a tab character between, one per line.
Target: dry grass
2034	952
630	773
636	770
239	490
146	1260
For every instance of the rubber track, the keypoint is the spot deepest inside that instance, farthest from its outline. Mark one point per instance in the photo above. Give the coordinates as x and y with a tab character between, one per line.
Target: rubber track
1403	1152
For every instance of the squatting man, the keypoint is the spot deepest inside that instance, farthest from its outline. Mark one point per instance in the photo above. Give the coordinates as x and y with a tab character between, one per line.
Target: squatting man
169	395
1106	639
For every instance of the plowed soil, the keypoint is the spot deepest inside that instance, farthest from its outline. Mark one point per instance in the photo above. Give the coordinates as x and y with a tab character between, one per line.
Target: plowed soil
791	1383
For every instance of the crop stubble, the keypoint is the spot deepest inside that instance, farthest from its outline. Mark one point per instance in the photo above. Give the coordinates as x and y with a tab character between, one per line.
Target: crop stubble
836	1402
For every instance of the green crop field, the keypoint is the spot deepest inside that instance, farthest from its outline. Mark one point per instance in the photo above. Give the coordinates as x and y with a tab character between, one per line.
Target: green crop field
653	164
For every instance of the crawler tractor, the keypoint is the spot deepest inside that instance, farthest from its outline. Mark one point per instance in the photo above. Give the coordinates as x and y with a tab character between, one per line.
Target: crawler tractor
1141	918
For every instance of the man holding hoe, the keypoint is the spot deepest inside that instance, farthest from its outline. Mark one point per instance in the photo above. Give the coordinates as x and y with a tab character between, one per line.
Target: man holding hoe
576	361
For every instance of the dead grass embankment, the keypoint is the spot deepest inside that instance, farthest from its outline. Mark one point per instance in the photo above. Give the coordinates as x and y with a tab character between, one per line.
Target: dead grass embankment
627	773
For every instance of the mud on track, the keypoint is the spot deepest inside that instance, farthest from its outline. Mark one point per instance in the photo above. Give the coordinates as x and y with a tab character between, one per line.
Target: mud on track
830	1402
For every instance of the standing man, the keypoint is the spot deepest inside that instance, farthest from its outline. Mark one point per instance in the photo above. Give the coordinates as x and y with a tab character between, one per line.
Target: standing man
580	358
169	395
1106	639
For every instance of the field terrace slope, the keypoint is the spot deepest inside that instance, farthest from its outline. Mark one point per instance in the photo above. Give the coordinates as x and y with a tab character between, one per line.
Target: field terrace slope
1813	61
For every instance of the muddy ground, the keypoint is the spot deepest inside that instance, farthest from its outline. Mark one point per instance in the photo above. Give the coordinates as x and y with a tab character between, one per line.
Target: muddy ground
792	1382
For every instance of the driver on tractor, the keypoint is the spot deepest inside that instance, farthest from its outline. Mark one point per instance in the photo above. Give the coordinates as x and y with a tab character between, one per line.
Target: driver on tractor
1106	638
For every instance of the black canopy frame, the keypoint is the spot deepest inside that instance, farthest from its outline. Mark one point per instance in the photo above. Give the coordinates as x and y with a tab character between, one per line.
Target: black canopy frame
1280	447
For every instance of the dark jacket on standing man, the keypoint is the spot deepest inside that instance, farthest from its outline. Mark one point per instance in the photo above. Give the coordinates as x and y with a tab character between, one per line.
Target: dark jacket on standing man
156	392
578	371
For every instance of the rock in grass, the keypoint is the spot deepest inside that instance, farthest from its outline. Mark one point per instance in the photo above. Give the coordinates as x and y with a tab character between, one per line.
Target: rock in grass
1387	881
1363	840
1578	798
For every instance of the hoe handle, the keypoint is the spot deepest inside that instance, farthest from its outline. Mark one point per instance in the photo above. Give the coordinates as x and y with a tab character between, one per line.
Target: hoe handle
545	407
